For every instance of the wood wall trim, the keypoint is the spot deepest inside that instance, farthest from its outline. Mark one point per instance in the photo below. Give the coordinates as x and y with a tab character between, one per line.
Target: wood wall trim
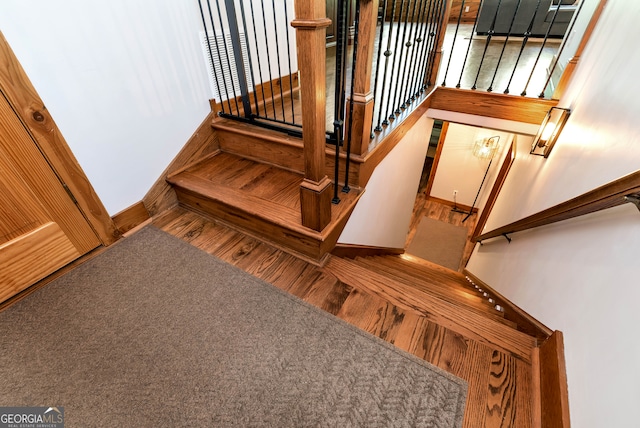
489	104
202	143
526	323
24	99
436	159
554	392
563	83
131	217
607	196
495	190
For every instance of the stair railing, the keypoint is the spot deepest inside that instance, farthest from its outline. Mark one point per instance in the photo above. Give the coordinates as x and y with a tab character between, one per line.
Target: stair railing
618	192
508	46
252	62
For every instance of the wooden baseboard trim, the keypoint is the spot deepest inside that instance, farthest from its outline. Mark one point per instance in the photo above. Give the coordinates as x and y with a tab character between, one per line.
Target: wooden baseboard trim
352	251
451	204
554	392
526	323
131	217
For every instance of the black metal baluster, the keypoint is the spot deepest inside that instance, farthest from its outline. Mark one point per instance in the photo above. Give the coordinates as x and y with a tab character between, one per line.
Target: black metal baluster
378	128
232	18
286	19
391	115
275	26
264	25
387	54
486	44
346	187
424	52
255	40
206	34
250	60
555	64
339	92
453	44
504	46
226	51
440	26
398	77
466	56
527	34
544	42
406	100
415	60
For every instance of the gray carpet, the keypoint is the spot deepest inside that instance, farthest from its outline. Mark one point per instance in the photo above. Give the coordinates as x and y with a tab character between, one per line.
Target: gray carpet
155	332
439	242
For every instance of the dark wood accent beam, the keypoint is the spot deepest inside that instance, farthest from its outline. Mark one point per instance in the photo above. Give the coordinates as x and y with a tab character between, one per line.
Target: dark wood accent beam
607	196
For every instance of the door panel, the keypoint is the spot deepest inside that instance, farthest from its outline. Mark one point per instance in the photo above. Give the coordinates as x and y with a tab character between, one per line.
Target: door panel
41	228
16	144
32	256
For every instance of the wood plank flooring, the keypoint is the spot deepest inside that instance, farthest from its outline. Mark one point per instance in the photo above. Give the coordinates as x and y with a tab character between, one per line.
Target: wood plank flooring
499	382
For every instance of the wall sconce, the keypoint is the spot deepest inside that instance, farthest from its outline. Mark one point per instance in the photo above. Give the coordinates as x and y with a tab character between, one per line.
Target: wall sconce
549	131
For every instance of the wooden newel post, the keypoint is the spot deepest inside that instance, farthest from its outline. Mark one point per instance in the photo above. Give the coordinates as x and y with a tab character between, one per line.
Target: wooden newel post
316	189
442	29
362	93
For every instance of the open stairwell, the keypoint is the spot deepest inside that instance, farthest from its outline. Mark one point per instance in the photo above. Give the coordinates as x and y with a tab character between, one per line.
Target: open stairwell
252	184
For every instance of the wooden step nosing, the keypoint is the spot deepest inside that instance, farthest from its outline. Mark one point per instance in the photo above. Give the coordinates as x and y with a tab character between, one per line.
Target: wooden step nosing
439	290
485	330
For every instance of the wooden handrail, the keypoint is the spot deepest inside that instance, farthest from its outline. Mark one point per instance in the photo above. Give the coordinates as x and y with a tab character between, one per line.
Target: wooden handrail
315	191
607	196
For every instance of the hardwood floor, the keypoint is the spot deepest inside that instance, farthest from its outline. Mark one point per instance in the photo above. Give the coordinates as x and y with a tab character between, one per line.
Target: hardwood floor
500	382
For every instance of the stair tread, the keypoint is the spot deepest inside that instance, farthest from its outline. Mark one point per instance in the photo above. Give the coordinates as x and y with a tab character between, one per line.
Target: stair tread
260	199
456	318
423	271
443	290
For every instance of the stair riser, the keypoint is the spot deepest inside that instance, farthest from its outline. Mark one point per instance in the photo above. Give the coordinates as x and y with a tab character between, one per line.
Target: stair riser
281	154
288	240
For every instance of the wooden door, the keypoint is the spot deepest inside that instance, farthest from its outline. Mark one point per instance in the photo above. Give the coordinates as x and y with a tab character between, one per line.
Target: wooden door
41	228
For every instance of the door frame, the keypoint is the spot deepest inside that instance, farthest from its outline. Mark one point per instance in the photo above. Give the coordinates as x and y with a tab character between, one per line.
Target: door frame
16	87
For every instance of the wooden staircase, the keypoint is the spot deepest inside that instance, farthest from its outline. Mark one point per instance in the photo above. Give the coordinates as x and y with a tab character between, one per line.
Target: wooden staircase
441	295
252	184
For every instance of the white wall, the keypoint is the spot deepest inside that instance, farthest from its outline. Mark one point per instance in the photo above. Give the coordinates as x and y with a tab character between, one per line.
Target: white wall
579	276
124	80
383	213
458	169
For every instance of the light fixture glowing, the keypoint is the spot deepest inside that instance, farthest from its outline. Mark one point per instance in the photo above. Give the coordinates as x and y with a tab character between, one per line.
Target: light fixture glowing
549	131
486	147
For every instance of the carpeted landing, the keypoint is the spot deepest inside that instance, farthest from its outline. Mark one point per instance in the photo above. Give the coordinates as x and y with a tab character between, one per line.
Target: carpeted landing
154	332
439	242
